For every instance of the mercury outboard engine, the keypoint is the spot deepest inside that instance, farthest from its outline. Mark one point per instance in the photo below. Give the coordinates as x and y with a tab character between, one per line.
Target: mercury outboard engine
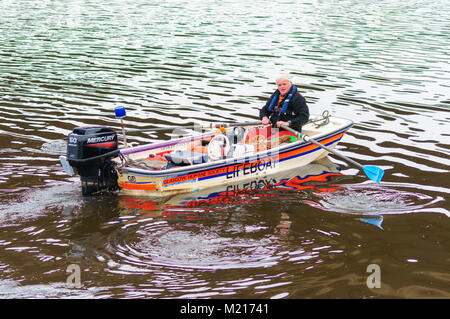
89	151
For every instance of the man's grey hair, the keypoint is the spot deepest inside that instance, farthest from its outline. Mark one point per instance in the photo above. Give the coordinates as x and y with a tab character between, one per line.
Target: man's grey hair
284	77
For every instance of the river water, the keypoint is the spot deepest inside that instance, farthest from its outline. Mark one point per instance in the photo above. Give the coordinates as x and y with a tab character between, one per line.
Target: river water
318	233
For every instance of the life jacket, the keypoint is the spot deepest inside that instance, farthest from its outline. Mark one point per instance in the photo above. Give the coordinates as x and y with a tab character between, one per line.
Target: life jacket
277	99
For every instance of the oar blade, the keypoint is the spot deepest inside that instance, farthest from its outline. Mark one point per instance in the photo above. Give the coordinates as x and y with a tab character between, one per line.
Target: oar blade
374	173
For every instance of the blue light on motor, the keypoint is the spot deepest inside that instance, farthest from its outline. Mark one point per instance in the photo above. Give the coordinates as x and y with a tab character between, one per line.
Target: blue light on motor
120	111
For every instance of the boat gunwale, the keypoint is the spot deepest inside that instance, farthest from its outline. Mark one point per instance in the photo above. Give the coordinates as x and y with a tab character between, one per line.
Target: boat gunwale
226	161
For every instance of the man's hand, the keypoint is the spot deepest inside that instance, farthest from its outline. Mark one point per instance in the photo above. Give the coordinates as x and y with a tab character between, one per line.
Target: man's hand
279	123
265	120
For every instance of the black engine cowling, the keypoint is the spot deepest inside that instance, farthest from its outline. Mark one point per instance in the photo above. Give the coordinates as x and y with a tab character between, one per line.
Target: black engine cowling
89	151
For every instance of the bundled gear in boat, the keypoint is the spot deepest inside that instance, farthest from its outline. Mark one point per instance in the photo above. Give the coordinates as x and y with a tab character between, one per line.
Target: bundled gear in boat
154	162
291	108
186	157
219	147
199	146
236	135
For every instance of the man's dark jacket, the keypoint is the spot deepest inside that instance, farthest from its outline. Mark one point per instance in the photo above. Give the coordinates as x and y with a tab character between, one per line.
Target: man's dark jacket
297	111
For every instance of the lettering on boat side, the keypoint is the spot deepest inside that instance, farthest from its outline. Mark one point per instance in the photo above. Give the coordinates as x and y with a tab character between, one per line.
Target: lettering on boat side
249	168
232	171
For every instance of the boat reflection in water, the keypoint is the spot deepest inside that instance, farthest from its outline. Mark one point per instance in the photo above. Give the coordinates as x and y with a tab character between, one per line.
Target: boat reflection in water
322	176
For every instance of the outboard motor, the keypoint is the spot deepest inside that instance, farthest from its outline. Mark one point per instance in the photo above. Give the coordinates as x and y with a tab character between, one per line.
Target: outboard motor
89	151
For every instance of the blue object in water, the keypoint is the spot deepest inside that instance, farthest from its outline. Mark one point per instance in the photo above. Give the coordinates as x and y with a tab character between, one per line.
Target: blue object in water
375	220
120	111
374	173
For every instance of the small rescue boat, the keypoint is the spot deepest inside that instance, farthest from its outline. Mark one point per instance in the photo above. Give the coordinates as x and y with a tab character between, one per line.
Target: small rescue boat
217	157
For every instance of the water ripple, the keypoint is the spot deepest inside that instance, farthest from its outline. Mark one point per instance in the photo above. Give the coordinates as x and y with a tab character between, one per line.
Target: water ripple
159	244
69	63
366	199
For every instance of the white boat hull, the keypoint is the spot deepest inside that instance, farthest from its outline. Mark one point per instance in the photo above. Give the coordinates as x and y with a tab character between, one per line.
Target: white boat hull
141	181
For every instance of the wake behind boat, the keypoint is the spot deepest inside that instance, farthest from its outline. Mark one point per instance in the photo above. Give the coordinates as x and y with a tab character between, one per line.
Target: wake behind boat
217	157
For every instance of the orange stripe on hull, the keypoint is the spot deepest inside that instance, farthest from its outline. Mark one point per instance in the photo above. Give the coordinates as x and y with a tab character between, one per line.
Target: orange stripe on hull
139	186
310	147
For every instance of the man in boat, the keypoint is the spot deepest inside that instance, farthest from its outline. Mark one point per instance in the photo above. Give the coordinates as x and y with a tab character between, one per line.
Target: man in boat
286	106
